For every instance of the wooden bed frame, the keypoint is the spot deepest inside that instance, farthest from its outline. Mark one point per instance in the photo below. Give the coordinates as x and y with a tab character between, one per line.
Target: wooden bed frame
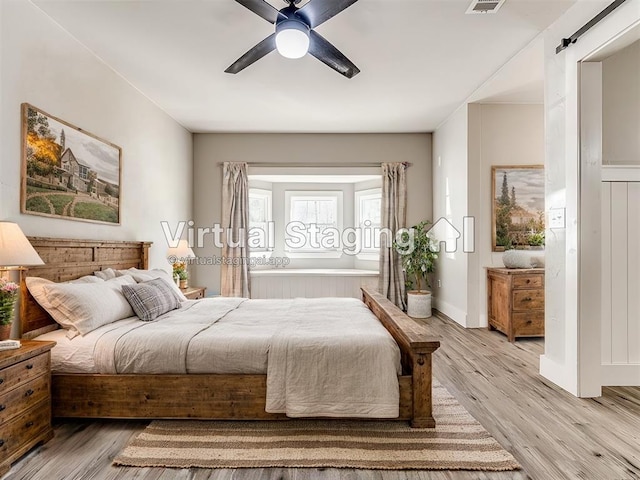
202	396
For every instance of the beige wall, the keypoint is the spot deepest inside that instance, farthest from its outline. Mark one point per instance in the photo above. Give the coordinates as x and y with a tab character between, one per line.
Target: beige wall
46	67
305	149
506	135
621	107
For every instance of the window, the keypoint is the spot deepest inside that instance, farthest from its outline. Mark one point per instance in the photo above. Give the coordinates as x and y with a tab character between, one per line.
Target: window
368	205
260	226
313	221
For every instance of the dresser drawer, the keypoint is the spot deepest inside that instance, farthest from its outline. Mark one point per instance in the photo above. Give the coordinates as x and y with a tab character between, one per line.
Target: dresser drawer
24	428
528	300
528	281
23	397
23	372
529	323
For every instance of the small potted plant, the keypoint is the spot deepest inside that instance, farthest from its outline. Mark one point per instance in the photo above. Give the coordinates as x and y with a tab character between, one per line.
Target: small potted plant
180	271
418	259
8	295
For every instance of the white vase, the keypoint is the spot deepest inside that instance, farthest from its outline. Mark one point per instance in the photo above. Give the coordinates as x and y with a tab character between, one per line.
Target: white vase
419	303
517	259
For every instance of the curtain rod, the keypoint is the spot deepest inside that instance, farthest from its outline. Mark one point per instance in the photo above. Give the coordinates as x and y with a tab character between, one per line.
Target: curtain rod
313	165
567	42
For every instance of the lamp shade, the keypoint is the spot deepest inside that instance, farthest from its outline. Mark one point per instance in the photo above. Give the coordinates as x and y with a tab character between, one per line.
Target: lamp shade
15	249
181	252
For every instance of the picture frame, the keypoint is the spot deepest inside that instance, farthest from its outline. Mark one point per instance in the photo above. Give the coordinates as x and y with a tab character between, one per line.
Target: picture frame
68	172
517	207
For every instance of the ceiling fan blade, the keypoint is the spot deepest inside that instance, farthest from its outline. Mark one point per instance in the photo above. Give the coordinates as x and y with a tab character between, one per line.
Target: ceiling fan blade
263	9
317	12
320	48
256	53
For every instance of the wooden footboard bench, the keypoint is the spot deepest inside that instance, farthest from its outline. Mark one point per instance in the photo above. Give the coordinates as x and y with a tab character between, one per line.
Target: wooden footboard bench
202	396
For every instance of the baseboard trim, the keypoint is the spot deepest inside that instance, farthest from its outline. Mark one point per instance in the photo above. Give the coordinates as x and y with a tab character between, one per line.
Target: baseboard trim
452	313
627	375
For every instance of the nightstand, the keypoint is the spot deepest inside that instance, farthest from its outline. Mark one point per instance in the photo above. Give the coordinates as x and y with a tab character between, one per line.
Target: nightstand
25	400
516	301
194	293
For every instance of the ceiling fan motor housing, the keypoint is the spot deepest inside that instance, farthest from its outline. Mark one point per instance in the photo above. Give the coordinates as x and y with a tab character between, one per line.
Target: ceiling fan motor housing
292	24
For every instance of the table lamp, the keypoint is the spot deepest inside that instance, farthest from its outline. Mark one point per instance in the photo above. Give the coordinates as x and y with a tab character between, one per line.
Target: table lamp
15	252
179	257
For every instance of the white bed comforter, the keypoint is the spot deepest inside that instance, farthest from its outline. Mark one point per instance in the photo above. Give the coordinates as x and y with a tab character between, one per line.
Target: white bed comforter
322	357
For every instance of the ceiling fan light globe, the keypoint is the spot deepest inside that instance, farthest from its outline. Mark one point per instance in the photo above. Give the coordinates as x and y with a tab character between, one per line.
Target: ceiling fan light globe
292	42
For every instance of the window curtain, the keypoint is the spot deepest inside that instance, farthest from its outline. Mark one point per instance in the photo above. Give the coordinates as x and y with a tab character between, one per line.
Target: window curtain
235	221
394	207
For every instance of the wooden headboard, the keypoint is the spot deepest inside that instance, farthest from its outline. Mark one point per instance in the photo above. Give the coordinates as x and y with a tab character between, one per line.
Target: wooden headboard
68	259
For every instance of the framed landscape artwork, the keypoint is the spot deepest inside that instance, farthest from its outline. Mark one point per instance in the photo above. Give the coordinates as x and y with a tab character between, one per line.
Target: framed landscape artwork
517	206
67	172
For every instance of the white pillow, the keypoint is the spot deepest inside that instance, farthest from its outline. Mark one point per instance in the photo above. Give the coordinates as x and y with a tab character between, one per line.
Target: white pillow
81	308
106	274
146	275
36	287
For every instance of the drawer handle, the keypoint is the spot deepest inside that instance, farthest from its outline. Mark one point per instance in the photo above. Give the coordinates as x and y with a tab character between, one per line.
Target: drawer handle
29	366
1	381
28	424
1	442
527	299
2	407
528	280
28	393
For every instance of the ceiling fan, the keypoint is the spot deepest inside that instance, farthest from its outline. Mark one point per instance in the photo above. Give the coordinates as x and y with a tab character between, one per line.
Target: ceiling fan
294	35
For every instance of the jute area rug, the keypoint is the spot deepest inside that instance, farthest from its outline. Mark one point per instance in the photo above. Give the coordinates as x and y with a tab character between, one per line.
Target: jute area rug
458	442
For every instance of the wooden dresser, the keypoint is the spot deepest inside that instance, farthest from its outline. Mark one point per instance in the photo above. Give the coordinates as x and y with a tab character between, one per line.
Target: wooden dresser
516	301
25	400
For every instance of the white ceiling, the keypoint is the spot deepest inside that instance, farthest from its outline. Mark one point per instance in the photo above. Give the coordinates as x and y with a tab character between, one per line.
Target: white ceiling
420	59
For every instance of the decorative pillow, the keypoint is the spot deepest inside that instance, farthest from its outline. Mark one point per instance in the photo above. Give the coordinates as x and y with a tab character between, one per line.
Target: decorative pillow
81	308
146	275
151	299
106	274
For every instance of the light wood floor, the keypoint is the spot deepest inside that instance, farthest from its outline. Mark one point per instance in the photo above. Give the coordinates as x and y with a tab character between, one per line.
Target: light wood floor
551	433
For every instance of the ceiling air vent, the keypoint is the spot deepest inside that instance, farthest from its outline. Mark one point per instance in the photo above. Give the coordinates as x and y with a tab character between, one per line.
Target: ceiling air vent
484	6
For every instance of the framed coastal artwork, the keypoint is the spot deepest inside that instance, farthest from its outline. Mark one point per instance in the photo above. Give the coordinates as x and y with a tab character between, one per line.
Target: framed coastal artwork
517	206
68	172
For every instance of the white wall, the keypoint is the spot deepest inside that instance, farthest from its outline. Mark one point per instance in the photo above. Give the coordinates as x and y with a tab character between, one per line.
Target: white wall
46	67
570	342
450	201
309	149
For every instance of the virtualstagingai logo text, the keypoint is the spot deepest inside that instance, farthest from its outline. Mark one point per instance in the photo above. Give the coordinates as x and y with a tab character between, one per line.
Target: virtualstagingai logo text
299	236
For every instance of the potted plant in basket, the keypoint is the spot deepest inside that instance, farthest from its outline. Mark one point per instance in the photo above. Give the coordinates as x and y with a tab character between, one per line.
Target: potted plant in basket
418	259
8	295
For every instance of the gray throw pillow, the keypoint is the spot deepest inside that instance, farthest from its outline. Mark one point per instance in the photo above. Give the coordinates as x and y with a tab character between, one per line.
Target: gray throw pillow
151	299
